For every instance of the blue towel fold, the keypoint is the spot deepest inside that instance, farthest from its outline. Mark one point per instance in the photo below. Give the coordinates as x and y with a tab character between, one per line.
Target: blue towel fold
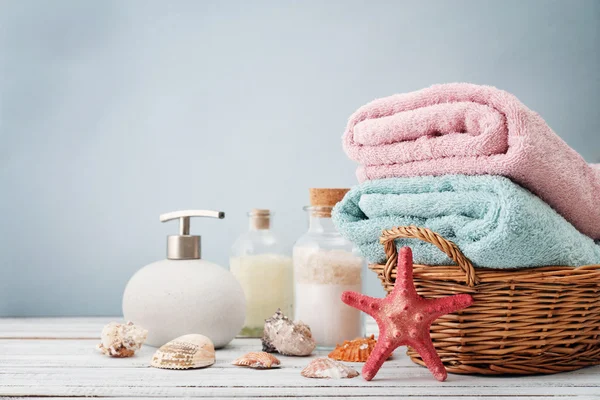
495	222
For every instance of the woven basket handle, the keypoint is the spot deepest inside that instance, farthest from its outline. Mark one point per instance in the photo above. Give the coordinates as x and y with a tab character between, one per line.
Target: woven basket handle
388	237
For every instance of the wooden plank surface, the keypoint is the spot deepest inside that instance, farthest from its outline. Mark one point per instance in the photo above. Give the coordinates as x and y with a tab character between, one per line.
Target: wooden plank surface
50	357
392	396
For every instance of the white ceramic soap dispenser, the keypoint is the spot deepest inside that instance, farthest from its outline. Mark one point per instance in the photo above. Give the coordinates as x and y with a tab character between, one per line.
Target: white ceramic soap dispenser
185	294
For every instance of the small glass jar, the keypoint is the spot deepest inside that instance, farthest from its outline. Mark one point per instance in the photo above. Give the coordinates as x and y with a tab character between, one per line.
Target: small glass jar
325	266
261	265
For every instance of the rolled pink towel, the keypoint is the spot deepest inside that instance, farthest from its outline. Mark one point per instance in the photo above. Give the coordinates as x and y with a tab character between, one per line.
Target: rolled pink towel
461	128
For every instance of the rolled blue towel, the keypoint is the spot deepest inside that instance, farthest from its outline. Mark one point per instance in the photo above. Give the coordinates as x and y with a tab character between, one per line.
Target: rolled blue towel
495	222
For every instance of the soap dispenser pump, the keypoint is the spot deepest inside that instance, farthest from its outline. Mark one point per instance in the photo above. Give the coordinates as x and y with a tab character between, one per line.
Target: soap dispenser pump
185	294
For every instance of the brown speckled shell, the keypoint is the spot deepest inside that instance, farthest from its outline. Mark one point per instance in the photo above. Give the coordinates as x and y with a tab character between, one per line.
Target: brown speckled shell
258	360
357	350
287	337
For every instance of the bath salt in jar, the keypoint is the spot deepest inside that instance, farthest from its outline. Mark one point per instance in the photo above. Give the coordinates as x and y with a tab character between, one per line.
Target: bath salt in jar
325	266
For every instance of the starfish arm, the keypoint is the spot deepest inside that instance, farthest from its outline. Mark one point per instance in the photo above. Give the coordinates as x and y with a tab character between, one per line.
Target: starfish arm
404	273
382	351
448	305
461	301
431	359
364	303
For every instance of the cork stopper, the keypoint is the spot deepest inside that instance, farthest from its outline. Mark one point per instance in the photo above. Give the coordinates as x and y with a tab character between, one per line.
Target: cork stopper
323	200
260	218
326	197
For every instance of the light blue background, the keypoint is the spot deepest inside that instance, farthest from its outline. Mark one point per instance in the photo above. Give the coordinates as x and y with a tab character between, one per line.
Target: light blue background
113	112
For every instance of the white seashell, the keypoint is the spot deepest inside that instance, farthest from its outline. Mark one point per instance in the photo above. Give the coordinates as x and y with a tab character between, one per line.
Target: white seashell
185	352
258	360
287	337
121	340
327	368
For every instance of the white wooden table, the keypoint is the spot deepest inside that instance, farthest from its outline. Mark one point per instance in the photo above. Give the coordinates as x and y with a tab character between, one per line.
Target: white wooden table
56	358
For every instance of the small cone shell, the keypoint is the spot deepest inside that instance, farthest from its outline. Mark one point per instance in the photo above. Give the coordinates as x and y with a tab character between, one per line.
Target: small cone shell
357	350
326	368
258	360
185	352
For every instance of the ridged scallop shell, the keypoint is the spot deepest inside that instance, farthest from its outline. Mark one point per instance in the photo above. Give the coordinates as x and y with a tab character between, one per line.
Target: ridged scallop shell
357	350
121	340
258	360
185	352
327	368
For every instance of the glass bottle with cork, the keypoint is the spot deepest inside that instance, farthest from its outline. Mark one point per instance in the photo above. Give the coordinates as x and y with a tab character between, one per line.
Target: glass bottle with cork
325	266
261	265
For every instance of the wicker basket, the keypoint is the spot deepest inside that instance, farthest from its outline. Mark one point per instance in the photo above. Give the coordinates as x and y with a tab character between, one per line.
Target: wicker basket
539	320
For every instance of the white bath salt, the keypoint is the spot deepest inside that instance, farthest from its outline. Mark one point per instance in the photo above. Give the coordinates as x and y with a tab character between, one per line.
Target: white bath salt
312	265
321	277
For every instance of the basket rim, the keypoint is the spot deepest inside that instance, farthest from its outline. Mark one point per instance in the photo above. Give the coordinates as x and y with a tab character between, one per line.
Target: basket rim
559	274
466	271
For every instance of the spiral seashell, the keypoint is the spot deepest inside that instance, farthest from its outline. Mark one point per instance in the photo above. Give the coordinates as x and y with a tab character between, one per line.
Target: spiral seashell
185	352
121	340
287	337
327	368
258	360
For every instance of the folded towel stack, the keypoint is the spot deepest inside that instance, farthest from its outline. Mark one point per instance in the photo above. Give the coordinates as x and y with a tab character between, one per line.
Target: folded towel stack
477	166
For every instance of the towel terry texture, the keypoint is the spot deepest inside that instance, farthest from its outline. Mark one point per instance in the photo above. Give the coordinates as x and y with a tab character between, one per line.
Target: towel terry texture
495	222
474	130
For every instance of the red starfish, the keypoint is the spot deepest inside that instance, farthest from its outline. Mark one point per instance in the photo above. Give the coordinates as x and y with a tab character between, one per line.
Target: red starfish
404	318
